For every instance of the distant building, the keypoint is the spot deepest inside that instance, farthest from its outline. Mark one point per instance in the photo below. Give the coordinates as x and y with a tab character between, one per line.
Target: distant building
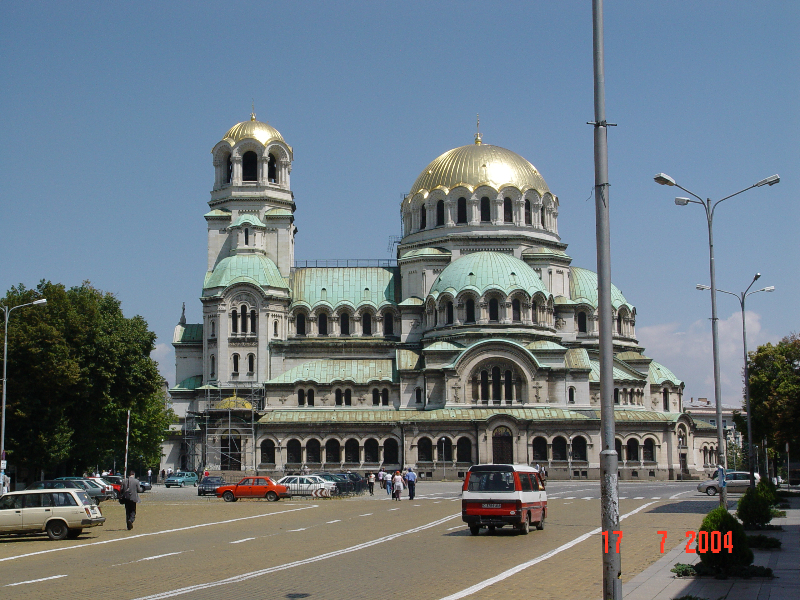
479	343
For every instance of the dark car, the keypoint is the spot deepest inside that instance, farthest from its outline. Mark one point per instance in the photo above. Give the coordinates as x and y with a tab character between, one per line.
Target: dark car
95	490
145	486
209	485
54	484
343	484
359	483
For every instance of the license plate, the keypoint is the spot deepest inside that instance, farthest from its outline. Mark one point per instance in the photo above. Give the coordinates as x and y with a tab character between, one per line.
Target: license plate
490	506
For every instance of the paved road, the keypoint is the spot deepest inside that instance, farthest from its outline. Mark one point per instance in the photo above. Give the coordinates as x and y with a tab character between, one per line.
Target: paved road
188	547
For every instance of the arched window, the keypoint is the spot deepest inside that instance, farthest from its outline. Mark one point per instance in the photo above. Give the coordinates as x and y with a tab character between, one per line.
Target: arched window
251	363
494	310
539	449
435	316
579	448
253	321
322	323
313	451
246	236
268	452
559	448
272	170
497	384
461	210
213	328
542	215
376	397
348	398
390	453
388	324
470	310
418	395
213	364
351	451
301	324
618	449
310	397
484	385
301	397
249	166
444	449
366	324
244	318
486	210
509	385
665	399
228	169
234	321
582	322
464	450
344	323
371	454
275	329
649	450
619	324
616	395
572	395
385	396
528	219
633	450
508	211
424	450
338	397
516	311
440	213
294	453
235	358
449	310
332	451
423	217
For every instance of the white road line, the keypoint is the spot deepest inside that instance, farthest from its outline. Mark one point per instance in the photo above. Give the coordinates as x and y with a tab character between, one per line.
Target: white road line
297	563
514	570
34	580
570	498
334	521
656	498
457	527
293	530
588	498
623	497
680	494
240	541
163	555
141	535
639	498
366	515
394	509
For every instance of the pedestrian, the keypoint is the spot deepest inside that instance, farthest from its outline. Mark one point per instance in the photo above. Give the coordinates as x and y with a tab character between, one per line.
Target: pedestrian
388	482
150	476
206	473
163	475
411	481
371	482
382	478
397	485
129	496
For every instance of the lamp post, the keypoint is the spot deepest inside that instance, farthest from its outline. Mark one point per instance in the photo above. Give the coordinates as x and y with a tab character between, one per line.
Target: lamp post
741	298
664	179
7	310
442	440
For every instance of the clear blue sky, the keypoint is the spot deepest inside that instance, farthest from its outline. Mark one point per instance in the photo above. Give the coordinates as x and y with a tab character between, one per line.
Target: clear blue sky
110	111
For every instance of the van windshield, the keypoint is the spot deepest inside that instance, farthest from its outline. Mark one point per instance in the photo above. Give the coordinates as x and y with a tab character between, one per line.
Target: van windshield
491	481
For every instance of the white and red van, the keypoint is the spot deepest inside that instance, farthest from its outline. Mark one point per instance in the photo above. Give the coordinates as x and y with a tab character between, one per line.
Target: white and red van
498	495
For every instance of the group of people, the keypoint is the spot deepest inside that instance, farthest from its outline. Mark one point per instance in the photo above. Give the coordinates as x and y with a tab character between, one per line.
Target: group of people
394	483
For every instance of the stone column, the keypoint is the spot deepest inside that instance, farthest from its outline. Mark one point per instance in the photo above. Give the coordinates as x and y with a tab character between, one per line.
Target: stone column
473	213
449	207
236	176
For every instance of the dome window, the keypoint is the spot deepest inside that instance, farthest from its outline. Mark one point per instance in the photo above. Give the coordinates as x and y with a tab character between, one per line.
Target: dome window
494	310
528	217
388	324
246	237
423	217
484	385
338	397
250	166
301	324
418	395
228	169
620	324
272	170
665	395
275	329
385	396
244	319
235	364
234	321
461	217
543	220
376	397
301	397
348	397
486	210
470	310
509	386
440	213
449	313
310	397
516	313
616	395
581	322
497	384
251	363
253	321
508	211
344	324
322	324
572	395
366	324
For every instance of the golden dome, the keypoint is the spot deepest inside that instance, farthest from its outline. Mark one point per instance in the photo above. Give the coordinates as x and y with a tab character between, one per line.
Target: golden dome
253	129
479	164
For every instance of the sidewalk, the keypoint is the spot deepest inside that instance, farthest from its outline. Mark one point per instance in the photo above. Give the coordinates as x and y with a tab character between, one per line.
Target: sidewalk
658	583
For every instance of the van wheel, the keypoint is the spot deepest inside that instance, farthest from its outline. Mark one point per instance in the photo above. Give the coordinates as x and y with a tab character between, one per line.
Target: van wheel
540	524
474	529
57	530
525	527
73	534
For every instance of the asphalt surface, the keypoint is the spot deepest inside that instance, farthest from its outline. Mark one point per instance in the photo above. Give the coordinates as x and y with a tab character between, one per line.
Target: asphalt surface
185	546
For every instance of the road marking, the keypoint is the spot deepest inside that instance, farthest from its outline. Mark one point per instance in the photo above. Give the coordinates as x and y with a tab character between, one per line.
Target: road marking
141	535
293	530
334	521
456	527
394	509
366	515
570	498
680	494
34	580
240	541
297	563
514	570
656	498
163	555
639	498
588	498
623	497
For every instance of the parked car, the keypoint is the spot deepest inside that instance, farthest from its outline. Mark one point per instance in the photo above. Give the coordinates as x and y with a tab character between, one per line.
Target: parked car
253	487
145	486
208	486
305	485
95	490
54	484
107	487
181	478
116	483
735	481
61	512
359	483
343	484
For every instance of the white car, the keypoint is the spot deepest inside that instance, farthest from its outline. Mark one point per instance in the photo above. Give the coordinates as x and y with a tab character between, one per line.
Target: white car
62	513
306	485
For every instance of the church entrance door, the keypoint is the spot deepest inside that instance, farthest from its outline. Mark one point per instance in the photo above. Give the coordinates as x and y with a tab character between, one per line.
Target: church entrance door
502	446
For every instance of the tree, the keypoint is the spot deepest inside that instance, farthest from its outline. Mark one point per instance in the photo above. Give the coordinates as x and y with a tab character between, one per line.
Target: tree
75	367
775	393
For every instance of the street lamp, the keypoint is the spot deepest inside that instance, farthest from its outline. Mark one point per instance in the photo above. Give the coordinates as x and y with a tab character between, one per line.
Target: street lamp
7	310
664	179
741	298
442	440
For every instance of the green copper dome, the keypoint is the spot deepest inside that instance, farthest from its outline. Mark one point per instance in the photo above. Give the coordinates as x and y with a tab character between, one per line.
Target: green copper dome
482	271
583	288
245	268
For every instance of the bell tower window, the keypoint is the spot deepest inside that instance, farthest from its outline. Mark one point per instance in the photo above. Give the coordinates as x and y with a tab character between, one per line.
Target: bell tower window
253	321
234	321
272	170
250	166
246	237
244	319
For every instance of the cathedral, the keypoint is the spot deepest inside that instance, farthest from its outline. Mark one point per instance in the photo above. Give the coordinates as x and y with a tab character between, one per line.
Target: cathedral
477	344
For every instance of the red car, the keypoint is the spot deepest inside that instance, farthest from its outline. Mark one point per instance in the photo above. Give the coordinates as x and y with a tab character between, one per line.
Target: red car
253	487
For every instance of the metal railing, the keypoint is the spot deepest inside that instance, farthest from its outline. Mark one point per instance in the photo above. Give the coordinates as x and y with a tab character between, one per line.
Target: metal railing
345	262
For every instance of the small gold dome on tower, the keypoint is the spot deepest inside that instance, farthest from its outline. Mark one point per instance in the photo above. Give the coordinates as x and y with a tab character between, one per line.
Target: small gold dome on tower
253	129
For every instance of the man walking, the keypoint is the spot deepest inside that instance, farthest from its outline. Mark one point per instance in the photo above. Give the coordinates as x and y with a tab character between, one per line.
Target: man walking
411	481
130	495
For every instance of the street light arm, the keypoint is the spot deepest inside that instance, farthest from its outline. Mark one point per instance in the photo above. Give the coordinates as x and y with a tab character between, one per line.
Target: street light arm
677	185
766	289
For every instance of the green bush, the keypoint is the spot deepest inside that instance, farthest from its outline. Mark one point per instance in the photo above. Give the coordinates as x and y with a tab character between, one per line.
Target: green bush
753	509
725	563
683	570
767	489
763	541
